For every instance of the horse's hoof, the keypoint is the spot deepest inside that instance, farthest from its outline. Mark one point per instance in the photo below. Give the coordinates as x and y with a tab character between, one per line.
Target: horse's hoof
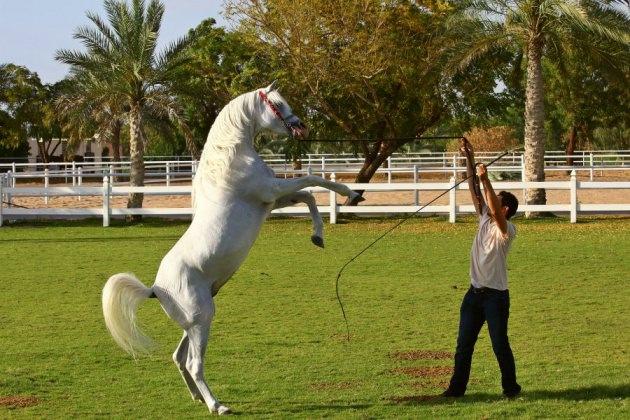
223	410
355	197
317	240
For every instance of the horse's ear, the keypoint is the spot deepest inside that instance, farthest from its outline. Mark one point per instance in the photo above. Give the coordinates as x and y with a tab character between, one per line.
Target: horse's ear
273	86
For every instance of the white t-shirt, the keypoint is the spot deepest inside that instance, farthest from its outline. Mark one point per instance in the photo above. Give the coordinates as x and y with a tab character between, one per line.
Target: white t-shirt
488	266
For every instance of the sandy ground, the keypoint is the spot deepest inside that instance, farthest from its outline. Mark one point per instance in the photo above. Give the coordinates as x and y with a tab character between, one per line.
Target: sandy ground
372	198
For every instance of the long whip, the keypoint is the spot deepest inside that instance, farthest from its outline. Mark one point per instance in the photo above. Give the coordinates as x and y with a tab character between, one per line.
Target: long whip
343	311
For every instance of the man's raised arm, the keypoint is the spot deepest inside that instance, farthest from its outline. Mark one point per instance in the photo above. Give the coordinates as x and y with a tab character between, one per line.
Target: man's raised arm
473	180
494	202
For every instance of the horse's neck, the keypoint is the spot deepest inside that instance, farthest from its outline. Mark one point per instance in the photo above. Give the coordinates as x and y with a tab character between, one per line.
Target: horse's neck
230	141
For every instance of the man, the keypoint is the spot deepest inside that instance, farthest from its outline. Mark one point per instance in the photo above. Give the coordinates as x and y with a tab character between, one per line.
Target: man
488	297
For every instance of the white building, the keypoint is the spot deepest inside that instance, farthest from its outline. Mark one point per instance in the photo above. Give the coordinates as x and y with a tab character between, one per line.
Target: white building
88	149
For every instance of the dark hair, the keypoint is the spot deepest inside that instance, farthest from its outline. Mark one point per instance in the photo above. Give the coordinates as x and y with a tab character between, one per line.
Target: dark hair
510	201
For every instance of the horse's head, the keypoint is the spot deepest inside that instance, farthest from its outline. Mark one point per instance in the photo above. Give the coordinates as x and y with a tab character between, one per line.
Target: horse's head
276	115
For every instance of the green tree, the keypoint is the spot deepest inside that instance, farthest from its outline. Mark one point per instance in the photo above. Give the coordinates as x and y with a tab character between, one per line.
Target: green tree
537	29
584	101
215	73
19	93
121	54
27	110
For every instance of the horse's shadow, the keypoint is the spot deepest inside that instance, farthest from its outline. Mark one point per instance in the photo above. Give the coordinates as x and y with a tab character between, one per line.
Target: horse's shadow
590	393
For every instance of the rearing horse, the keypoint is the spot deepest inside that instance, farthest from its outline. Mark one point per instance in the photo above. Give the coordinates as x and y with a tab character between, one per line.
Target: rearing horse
233	193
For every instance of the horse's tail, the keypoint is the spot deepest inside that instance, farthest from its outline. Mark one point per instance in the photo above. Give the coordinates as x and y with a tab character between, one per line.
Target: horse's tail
121	296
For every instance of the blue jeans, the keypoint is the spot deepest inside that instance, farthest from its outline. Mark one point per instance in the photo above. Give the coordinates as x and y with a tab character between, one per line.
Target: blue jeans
478	306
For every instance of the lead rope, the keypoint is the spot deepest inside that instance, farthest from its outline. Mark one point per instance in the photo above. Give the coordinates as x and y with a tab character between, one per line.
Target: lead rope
343	311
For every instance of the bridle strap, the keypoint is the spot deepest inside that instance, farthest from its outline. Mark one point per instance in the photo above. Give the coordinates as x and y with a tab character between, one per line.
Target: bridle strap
275	110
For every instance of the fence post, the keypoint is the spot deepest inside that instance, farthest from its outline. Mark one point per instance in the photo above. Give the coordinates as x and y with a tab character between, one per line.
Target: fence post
591	164
46	183
455	166
415	181
106	194
452	201
168	174
574	202
10	181
323	167
111	174
333	202
74	173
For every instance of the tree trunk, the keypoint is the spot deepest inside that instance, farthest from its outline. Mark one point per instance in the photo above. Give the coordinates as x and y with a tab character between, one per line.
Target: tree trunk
571	141
190	141
42	151
534	125
115	141
136	152
371	163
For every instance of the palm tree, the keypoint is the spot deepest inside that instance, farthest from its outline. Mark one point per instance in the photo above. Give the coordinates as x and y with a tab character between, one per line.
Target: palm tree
121	55
88	110
537	29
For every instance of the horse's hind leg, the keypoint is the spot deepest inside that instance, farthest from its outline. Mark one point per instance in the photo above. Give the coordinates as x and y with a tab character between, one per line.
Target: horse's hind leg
198	334
179	357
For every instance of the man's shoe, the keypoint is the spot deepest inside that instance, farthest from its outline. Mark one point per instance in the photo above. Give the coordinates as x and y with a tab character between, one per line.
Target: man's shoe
513	393
452	394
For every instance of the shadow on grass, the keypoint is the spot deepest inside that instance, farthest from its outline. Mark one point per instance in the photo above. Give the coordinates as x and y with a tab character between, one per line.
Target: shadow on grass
595	392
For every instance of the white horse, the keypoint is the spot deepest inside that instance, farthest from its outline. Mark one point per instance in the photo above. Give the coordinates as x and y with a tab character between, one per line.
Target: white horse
233	193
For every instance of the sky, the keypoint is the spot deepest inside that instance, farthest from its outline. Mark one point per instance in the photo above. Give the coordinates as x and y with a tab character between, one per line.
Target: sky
32	30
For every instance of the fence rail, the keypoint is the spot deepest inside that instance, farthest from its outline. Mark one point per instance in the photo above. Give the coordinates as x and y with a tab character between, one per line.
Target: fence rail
407	165
333	209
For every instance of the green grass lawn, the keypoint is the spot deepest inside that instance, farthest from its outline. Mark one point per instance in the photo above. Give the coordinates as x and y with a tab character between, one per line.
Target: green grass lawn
278	342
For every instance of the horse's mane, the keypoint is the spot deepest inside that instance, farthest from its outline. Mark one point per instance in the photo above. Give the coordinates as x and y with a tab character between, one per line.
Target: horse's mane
230	129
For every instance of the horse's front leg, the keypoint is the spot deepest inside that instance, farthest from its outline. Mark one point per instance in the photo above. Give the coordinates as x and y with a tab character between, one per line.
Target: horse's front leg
305	197
275	188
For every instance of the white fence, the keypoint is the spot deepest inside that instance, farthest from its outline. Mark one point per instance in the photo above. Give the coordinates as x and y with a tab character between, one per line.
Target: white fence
106	191
410	165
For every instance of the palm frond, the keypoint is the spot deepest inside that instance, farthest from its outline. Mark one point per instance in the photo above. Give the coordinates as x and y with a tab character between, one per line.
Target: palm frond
95	42
104	29
173	56
576	16
154	15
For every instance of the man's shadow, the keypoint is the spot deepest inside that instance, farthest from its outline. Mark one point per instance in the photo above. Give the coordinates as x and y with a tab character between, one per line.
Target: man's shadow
594	392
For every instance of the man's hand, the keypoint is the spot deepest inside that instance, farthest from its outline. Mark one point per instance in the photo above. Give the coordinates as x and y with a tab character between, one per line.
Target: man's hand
482	172
464	146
